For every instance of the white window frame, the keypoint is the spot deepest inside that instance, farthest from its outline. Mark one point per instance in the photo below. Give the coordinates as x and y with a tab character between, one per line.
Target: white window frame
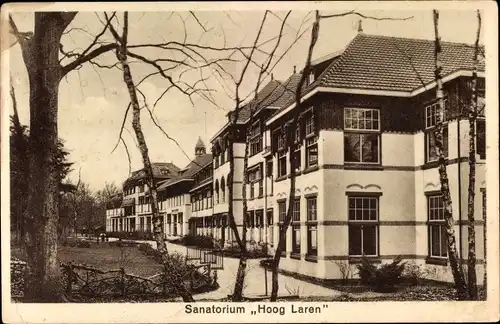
439	221
361	132
365	221
430	113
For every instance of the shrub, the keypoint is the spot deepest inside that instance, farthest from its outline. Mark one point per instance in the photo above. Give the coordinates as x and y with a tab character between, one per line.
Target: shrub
412	273
383	278
254	252
206	242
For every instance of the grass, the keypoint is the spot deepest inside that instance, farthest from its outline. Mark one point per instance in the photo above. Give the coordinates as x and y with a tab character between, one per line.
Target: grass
105	257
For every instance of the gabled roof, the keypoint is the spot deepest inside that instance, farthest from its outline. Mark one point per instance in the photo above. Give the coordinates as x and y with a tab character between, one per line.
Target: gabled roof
161	170
283	92
394	63
187	173
372	62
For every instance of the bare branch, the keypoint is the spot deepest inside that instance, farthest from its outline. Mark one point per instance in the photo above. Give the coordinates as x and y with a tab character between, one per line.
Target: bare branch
198	21
353	12
122	126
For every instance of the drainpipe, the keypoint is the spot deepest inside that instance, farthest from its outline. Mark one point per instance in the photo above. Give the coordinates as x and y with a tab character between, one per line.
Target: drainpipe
459	183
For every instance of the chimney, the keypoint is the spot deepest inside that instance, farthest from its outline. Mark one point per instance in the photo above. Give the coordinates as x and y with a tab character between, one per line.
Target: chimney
272	76
360	26
294	69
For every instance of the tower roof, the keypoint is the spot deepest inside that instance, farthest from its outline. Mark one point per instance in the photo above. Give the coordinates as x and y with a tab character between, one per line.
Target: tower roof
199	143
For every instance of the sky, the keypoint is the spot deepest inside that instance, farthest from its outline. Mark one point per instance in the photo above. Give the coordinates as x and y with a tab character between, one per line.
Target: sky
93	100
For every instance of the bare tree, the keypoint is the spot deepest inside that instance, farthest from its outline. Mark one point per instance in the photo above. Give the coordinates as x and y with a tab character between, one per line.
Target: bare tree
121	54
456	269
41	52
264	69
291	125
473	111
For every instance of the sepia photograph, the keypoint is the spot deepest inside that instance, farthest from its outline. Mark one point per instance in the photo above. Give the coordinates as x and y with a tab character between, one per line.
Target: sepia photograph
191	162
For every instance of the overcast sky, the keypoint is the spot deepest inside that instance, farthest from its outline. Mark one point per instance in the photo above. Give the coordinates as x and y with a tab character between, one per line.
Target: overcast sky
92	101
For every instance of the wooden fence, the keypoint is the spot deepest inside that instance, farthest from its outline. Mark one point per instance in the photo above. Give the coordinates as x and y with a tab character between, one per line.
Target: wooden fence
84	280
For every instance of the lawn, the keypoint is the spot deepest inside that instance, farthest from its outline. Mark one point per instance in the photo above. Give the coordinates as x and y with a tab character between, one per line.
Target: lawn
106	257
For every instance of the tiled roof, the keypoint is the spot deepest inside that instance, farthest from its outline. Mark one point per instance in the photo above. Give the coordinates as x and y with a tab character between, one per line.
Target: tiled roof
187	173
392	63
262	96
160	170
282	93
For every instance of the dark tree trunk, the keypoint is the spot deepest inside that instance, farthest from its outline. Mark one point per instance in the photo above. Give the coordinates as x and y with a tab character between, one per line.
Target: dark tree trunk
41	56
443	175
291	148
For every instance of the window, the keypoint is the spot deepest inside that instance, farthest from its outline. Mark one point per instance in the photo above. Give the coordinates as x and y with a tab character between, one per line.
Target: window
255	139
269	173
282	164
181	222
169	223
269	216
261	187
223	190
310	126
254	175
431	117
361	135
312	226
280	139
363	226
438	243
311	151
281	218
296	226
216	193
481	138
296	159
282	211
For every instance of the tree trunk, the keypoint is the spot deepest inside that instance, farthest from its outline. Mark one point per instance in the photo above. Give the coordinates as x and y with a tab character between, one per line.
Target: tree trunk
240	275
172	276
443	175
41	56
471	259
291	148
19	193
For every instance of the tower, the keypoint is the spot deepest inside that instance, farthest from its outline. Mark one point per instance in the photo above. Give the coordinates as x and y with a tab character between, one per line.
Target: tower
200	149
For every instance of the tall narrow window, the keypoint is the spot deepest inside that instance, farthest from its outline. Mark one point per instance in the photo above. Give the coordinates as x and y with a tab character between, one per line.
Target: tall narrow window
361	135
296	226
270	231
312	226
281	218
255	138
438	247
363	226
481	138
431	115
282	164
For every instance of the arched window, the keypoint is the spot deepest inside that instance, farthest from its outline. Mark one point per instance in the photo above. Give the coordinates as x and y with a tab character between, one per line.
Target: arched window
216	191
223	189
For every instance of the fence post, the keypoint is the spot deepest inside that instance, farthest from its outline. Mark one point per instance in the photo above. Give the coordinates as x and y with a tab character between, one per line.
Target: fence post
164	281
122	280
69	284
